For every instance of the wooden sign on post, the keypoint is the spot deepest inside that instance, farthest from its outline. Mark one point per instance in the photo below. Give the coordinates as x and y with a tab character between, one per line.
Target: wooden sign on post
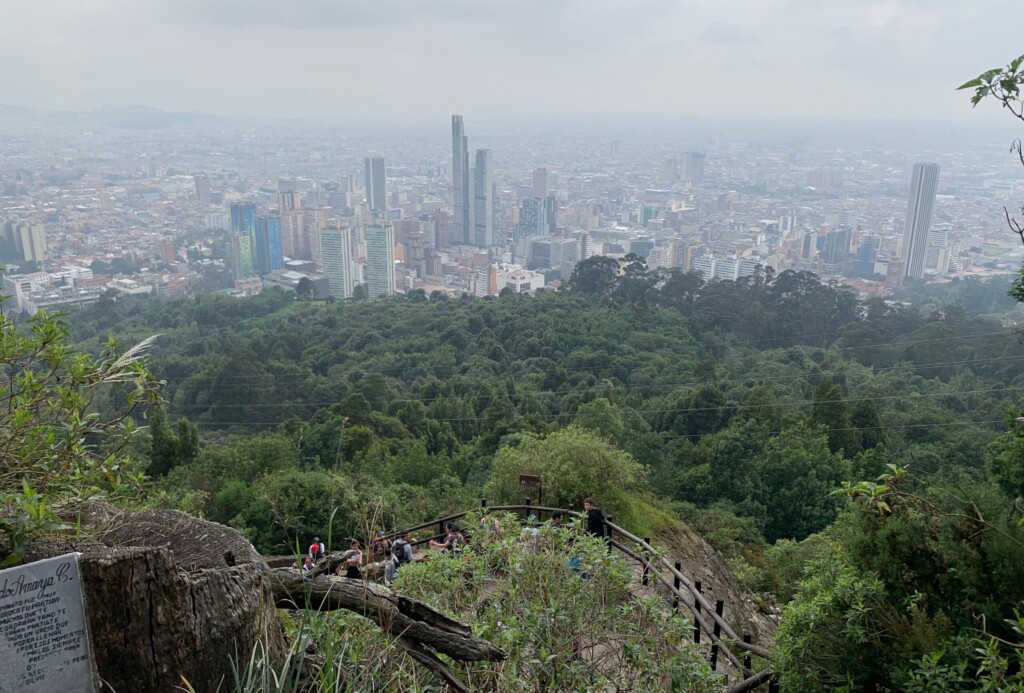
531	482
44	632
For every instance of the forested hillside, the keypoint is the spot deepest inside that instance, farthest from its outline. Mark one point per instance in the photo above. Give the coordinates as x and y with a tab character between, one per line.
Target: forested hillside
850	461
746	401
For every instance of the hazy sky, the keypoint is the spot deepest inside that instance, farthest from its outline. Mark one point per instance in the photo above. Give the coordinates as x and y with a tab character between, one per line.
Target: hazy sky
418	59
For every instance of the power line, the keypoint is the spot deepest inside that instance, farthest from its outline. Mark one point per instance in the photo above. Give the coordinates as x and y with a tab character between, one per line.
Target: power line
636	388
675	436
687	410
220	379
862	428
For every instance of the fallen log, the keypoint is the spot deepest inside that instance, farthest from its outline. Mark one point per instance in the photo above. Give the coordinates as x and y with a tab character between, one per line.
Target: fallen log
399	616
429	660
324	566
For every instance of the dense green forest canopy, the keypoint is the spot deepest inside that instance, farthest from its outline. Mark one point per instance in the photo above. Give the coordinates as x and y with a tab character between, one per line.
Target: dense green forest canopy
756	397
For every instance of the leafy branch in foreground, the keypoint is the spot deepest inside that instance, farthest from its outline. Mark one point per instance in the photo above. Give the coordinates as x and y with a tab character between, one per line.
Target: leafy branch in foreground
1003	84
53	447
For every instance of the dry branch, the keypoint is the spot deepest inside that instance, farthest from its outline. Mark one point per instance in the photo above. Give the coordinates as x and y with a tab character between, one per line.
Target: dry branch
399	616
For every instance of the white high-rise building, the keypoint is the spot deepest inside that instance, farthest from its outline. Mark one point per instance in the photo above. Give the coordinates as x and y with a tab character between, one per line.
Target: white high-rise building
336	254
924	183
380	261
460	228
376	183
483	201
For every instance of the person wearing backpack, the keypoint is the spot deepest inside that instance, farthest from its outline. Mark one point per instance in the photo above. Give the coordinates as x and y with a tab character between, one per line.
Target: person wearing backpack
402	550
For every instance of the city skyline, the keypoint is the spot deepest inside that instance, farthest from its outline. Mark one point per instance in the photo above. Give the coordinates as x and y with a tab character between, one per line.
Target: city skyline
720	57
240	210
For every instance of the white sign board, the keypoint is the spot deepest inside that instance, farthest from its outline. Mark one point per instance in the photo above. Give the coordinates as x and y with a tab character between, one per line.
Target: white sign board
44	632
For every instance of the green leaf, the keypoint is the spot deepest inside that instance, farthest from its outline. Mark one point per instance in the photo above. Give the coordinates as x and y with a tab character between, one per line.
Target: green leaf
976	82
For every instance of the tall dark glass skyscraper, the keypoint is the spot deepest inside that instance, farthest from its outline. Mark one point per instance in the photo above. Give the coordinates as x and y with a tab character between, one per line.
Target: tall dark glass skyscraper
460	228
243	217
924	183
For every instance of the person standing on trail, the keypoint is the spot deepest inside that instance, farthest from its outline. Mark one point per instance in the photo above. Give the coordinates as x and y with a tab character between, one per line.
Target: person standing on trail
354	560
390	570
402	549
316	550
451	540
595	519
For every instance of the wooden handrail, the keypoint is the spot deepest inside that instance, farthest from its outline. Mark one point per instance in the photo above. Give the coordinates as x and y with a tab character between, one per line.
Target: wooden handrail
752	682
729	632
696	614
684	581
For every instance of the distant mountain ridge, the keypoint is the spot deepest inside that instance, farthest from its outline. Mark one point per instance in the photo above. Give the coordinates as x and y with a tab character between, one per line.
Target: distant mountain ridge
127	117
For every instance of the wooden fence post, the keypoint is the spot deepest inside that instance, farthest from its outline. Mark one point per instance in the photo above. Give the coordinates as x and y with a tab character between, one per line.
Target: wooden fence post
645	580
696	613
719	609
675	581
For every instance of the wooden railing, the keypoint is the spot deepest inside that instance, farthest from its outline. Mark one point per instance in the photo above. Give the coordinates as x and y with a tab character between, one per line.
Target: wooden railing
707	618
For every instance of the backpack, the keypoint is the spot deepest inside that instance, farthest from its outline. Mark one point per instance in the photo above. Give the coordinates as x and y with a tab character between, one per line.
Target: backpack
398	551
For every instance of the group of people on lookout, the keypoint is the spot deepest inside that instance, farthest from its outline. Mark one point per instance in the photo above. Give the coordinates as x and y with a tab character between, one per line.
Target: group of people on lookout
399	551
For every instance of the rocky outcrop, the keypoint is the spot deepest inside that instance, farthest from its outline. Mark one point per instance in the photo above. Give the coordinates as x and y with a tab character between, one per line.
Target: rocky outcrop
699	561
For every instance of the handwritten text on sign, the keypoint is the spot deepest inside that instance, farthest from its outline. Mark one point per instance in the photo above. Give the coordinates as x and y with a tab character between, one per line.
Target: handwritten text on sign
44	635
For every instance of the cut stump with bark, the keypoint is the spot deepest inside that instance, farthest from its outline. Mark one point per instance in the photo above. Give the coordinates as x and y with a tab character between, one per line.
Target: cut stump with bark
170	598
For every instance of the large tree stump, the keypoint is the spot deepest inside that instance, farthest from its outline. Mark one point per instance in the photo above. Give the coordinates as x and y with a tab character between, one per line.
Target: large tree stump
169	597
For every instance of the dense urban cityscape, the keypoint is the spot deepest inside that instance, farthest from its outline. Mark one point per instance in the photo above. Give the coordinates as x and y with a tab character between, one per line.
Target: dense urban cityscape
92	209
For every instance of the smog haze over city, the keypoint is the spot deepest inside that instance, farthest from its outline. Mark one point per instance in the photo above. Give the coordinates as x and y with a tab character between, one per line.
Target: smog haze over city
534	60
177	148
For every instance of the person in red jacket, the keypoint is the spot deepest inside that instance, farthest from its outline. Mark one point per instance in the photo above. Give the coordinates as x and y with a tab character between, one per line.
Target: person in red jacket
316	550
